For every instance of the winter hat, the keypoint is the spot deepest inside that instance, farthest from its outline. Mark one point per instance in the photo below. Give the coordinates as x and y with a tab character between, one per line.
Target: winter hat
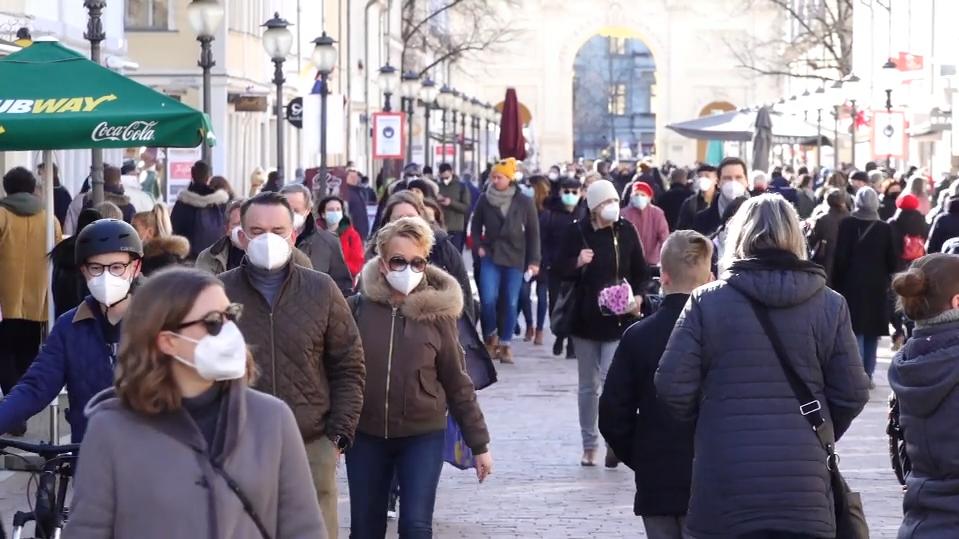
600	191
867	204
908	202
506	167
569	182
644	188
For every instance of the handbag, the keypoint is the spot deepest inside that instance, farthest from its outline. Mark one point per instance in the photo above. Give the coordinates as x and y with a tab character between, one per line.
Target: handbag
850	517
563	316
455	450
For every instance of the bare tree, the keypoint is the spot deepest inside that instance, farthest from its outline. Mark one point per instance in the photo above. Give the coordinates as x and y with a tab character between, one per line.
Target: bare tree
814	40
453	30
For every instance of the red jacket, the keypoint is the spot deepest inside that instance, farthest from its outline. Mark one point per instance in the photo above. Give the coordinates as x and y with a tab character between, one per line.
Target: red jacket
352	250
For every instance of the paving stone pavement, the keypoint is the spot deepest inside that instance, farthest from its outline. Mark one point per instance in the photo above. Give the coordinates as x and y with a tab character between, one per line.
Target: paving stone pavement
538	489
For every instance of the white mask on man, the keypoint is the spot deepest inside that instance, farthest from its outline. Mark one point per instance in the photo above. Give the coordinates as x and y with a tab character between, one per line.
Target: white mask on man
269	251
109	289
732	190
299	220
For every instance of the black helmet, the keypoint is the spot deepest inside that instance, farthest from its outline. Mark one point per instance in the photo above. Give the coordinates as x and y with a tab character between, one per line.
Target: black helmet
108	236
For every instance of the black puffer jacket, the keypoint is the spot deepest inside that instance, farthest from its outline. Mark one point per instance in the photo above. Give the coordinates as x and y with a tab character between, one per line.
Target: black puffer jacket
945	227
925	377
758	465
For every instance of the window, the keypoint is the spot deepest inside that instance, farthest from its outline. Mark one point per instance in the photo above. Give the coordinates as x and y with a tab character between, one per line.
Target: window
617	45
617	99
147	15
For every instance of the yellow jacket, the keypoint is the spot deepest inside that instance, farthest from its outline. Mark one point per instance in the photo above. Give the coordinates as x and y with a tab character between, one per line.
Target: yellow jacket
24	277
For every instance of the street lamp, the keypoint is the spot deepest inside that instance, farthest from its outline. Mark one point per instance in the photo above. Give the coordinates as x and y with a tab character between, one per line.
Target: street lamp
409	89
205	18
819	98
95	35
477	110
835	95
888	78
850	88
388	80
277	41
457	106
445	102
428	94
324	58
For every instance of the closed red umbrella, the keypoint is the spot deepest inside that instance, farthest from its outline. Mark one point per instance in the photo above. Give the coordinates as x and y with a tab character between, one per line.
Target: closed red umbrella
511	140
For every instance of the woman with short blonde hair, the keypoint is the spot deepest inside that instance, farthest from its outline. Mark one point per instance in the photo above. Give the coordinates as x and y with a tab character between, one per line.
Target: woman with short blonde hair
182	419
766	222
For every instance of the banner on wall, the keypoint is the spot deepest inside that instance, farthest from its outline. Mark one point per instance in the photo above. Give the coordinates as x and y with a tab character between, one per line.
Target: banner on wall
389	135
179	163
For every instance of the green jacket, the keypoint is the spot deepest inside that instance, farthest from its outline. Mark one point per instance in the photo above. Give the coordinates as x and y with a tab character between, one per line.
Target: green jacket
456	213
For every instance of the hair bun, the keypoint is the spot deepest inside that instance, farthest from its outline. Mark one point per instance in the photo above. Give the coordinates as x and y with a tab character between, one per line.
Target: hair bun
911	283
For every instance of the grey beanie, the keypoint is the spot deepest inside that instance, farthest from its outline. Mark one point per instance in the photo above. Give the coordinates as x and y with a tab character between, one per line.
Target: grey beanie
867	199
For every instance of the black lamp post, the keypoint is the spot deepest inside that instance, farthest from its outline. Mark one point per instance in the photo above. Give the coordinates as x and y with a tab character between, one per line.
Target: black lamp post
850	87
95	35
278	40
819	98
888	76
464	104
388	79
409	89
445	102
454	109
428	93
324	58
205	18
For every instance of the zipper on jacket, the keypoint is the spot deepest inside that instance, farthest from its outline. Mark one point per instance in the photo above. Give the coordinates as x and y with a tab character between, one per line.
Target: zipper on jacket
273	351
389	368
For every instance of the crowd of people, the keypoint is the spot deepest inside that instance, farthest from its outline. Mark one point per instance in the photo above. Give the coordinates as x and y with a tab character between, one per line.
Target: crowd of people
242	345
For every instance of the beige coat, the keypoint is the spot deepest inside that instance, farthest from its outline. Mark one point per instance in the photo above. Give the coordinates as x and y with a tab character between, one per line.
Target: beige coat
23	262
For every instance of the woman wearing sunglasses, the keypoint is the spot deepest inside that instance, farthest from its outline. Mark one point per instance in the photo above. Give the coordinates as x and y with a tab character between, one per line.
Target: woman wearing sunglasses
406	313
181	446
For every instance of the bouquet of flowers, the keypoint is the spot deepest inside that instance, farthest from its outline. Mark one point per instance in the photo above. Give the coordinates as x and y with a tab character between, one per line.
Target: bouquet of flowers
617	299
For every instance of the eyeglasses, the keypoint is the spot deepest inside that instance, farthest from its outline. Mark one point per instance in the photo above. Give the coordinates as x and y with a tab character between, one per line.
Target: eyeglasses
398	263
117	269
570	191
213	321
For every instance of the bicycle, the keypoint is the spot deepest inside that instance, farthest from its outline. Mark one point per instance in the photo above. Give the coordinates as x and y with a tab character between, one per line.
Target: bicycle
49	511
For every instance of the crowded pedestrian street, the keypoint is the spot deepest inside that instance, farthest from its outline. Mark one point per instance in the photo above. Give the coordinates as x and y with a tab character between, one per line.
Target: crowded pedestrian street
365	269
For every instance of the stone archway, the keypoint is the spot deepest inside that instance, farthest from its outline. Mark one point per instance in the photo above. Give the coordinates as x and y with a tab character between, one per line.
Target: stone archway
715	107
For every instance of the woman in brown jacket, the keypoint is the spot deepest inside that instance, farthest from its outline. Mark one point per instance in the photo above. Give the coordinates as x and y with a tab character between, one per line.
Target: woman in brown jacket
181	446
406	313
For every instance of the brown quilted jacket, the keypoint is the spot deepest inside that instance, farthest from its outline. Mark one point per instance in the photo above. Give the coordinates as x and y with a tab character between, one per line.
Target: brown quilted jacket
306	347
414	361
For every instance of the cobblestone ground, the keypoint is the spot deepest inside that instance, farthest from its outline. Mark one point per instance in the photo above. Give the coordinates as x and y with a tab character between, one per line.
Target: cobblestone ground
539	489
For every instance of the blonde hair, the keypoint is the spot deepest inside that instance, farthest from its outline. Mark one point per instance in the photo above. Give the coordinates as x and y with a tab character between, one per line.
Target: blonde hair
413	228
764	222
686	258
157	219
109	210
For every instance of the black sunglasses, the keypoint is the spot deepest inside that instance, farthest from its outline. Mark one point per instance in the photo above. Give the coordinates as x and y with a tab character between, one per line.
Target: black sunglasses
213	321
398	263
570	191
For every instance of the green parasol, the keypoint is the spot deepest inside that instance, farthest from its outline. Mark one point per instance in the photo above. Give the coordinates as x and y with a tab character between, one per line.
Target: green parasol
52	98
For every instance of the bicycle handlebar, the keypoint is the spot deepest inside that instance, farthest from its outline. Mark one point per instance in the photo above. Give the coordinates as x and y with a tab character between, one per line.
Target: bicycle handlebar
43	449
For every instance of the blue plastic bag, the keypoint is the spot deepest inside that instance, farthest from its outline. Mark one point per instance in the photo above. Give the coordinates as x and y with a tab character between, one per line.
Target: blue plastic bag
455	450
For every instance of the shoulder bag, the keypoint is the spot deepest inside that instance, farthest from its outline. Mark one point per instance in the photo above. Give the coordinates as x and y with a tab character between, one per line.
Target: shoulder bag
247	504
850	517
563	315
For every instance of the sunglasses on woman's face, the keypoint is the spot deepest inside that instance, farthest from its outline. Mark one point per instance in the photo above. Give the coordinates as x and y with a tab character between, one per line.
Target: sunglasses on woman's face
398	263
213	321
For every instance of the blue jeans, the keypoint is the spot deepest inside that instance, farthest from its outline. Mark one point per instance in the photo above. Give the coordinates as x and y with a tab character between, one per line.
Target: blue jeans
542	301
493	279
370	464
868	346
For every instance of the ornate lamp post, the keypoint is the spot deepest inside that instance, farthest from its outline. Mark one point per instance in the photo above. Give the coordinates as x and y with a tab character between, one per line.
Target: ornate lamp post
850	88
277	41
324	58
477	110
835	96
819	100
445	101
388	81
409	89
95	35
888	78
428	94
205	18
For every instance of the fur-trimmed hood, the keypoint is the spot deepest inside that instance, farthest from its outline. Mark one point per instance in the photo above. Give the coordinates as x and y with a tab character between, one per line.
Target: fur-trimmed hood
170	245
438	295
216	198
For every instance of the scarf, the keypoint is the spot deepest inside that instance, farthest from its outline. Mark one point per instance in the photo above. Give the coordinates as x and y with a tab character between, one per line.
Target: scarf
945	317
501	199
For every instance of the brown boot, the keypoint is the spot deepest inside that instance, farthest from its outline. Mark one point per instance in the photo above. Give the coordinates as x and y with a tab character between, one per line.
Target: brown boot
505	354
538	340
492	346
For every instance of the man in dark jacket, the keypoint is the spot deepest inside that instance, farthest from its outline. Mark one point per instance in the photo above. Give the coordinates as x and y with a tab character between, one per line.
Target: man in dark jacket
455	199
199	212
321	246
639	428
822	238
706	187
946	225
304	339
733	183
61	196
356	199
672	200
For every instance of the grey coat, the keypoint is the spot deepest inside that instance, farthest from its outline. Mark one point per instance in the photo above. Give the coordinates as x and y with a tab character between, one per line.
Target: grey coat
925	378
511	241
151	477
758	465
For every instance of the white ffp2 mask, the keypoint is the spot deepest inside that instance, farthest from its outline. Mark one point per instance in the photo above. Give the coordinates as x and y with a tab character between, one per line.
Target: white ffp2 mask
404	281
269	251
109	289
219	357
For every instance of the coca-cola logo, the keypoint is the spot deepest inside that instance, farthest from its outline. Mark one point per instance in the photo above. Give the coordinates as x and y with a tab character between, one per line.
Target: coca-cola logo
138	131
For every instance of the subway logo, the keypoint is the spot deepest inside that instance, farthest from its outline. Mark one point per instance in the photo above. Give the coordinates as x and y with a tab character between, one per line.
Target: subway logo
55	105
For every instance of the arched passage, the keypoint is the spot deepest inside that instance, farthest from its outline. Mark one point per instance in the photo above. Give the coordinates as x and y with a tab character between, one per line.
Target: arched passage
614	86
716	107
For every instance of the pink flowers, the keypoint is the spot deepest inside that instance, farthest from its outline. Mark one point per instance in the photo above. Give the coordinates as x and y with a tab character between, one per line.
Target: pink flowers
617	299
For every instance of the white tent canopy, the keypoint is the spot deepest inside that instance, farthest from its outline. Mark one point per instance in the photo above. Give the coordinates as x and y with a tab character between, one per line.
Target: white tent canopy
740	125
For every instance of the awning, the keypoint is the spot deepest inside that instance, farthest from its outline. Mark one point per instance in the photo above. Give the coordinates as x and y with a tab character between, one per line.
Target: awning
740	125
928	132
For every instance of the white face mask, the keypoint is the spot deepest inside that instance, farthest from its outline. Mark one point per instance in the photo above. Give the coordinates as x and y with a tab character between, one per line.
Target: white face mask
733	190
553	176
518	176
298	221
333	218
610	212
706	183
446	179
404	281
109	289
269	251
235	237
218	358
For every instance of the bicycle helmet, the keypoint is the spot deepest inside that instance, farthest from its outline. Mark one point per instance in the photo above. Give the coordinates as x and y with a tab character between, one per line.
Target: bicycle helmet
108	236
